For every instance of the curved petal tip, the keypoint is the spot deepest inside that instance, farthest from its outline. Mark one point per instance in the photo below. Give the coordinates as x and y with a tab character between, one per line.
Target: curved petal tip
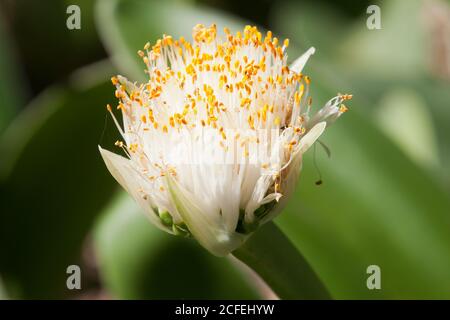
298	65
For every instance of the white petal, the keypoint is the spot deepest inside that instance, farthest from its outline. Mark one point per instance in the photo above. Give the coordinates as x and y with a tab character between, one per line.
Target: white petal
311	136
298	65
329	113
208	230
306	142
129	178
294	167
257	197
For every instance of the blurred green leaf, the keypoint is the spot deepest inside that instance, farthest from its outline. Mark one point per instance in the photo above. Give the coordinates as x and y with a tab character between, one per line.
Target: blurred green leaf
375	207
50	51
309	25
53	183
399	45
3	295
432	95
11	90
404	116
372	64
139	261
437	96
126	25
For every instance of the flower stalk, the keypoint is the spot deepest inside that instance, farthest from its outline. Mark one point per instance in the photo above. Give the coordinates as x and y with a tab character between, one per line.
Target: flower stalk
276	260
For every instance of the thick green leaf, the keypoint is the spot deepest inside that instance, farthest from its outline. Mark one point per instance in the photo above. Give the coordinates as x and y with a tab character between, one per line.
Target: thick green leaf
53	183
126	25
273	256
139	261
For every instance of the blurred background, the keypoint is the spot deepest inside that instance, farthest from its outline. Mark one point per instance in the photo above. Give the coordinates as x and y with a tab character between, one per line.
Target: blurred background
385	197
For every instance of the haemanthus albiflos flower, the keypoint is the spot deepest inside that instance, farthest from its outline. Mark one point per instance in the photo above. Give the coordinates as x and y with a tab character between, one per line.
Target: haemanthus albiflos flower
214	140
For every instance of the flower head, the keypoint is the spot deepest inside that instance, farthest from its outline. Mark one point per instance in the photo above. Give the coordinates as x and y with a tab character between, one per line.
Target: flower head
214	140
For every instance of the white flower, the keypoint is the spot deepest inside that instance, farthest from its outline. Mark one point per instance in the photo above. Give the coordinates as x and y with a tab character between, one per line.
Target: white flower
214	140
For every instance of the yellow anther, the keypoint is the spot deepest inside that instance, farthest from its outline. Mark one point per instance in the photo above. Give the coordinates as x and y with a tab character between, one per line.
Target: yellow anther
275	41
307	80
223	75
190	70
279	79
347	96
168	40
133	147
203	34
251	122
343	108
245	102
277	121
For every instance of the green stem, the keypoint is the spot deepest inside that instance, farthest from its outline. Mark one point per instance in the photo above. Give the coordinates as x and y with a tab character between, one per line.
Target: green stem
273	256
